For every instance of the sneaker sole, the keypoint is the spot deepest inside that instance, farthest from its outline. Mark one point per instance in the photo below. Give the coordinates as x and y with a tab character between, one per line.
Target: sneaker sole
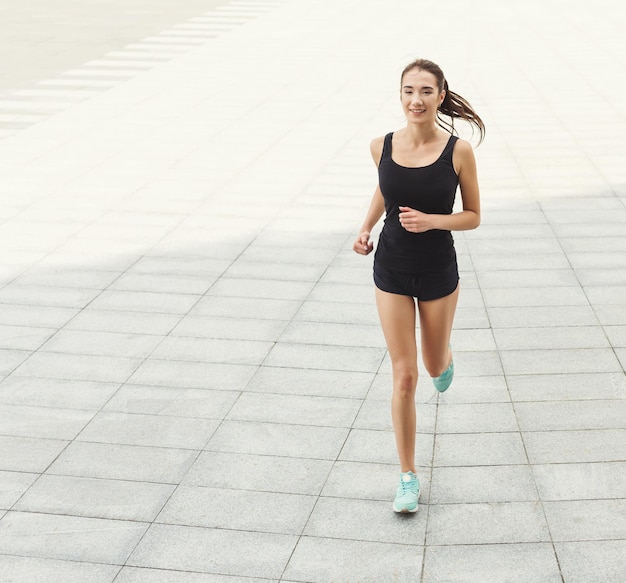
405	510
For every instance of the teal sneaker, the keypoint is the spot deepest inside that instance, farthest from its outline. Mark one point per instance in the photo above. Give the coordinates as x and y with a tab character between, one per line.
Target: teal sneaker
444	380
407	493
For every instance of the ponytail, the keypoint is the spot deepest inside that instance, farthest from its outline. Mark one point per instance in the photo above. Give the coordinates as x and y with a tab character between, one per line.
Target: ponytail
453	105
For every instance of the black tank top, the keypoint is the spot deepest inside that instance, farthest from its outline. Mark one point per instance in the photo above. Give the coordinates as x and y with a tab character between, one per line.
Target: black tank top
430	189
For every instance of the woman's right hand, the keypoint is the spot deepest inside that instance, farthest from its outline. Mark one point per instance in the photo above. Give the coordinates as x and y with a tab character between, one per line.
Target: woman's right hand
363	245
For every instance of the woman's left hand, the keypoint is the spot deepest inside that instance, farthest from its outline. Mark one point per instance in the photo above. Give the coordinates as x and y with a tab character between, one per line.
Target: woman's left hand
415	221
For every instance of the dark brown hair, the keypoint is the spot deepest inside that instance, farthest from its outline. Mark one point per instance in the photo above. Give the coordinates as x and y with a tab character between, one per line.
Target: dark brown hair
453	105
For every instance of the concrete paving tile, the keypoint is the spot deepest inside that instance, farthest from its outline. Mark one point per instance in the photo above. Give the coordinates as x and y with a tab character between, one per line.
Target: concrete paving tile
319	356
70	538
184	264
55	393
366	520
144	575
261	253
476	364
205	403
251	270
555	361
174	284
613	315
269	512
278	439
463	485
621	354
39	316
369	481
523	278
271	473
22	421
79	367
28	454
562	387
376	415
379	447
261	288
527	261
588	445
513	245
12	487
65	276
300	409
608	258
212	350
124	462
319	560
592	562
23	337
599	277
310	382
338	312
478	449
227	552
333	334
550	338
342	292
45	296
482	389
534	297
34	570
529	317
100	343
478	524
576	520
230	328
267	308
571	415
10	360
470	318
149	430
514	563
193	375
616	335
115	499
473	340
159	303
605	295
583	481
476	418
123	322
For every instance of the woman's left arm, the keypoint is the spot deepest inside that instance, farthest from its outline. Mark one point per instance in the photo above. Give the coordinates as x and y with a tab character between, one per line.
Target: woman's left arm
469	218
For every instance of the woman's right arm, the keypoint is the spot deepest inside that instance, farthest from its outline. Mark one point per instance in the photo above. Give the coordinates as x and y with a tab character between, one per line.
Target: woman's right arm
363	245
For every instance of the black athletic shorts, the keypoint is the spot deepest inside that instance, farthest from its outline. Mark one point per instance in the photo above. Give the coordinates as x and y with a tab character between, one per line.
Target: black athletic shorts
426	286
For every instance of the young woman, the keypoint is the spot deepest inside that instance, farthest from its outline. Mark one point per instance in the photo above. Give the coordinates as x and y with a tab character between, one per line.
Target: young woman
419	169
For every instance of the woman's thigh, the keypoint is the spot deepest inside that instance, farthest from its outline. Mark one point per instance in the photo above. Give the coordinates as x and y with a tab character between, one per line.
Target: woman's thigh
436	319
397	317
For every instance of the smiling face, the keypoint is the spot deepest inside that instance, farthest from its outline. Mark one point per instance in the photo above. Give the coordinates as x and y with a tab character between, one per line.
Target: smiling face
420	96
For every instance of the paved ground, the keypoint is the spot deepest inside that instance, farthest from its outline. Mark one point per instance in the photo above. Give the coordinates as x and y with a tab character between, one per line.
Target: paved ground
194	385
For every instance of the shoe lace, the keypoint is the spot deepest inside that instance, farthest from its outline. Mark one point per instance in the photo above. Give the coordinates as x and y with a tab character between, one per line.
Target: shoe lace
408	486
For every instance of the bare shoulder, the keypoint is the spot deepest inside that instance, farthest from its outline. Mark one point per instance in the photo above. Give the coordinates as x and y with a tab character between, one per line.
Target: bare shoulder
463	155
376	149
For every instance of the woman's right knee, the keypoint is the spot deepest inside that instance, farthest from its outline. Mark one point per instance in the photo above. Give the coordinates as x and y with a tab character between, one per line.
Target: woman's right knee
405	380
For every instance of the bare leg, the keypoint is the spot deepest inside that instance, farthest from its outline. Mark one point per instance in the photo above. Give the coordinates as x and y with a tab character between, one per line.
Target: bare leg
436	319
397	316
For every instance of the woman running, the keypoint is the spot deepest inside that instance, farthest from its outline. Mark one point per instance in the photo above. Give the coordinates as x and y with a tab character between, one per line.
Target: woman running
419	169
